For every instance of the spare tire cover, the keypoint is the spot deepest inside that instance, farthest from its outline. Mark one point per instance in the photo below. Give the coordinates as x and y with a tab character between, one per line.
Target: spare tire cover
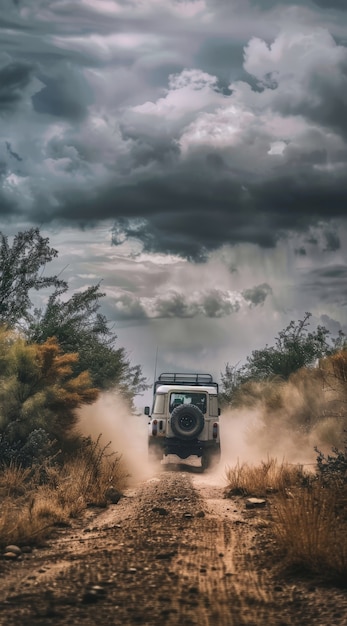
187	421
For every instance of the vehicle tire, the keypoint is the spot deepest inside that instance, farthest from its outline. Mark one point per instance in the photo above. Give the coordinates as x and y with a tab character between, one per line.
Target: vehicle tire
187	422
210	458
155	451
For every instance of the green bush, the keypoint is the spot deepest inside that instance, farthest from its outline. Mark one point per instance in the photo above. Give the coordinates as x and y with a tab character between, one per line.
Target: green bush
332	467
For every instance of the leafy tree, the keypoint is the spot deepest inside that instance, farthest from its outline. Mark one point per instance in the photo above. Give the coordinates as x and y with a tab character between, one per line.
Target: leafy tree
38	389
21	267
332	468
36	449
231	380
76	322
79	327
295	347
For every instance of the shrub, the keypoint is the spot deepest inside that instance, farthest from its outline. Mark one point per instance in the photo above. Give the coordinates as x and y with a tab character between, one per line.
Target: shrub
308	511
311	533
268	477
32	507
37	449
333	467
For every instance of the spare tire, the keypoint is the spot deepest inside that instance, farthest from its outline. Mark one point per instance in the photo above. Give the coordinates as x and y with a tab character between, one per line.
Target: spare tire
187	421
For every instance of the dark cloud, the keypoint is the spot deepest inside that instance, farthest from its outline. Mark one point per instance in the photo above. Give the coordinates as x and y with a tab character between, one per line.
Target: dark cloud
158	148
313	241
128	307
12	153
174	306
190	126
14	78
331	4
301	251
327	101
307	76
221	57
190	212
66	94
8	210
329	283
333	272
191	303
270	4
245	143
213	303
257	295
333	242
10	17
182	215
325	4
157	75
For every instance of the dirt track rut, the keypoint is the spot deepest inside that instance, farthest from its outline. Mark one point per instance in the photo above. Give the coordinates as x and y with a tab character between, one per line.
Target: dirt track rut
173	551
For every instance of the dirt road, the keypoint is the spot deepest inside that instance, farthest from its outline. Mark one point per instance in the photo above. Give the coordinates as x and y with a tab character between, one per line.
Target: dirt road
172	551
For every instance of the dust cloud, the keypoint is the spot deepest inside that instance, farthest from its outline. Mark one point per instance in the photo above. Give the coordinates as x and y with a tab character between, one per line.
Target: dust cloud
246	438
284	420
281	420
111	418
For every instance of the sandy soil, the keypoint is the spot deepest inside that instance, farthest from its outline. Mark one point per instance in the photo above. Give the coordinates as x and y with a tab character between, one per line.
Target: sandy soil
172	551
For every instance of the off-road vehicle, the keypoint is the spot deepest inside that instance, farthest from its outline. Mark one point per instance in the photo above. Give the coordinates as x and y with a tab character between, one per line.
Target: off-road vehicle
184	422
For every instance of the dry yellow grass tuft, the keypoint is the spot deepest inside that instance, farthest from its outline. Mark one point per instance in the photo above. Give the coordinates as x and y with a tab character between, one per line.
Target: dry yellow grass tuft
36	500
308	518
310	528
22	524
268	477
14	480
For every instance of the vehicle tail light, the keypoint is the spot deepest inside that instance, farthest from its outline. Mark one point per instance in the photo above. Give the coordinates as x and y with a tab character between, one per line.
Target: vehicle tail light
154	427
215	430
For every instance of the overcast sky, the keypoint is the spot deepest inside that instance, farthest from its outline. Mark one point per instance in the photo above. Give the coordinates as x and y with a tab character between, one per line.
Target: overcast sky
191	155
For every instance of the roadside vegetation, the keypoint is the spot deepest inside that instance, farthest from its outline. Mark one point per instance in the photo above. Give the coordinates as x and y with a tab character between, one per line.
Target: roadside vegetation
53	361
299	389
261	480
50	494
307	511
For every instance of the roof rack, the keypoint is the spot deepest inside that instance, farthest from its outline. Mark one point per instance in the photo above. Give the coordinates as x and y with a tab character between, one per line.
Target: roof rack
177	378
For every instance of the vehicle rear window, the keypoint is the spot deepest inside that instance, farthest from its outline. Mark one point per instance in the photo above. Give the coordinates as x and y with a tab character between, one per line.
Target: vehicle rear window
187	398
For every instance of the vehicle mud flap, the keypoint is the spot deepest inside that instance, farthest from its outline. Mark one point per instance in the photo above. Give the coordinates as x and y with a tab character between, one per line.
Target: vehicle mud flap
155	451
210	458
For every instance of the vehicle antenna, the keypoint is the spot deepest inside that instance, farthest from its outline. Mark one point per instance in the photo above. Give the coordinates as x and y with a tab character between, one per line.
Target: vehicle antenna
155	364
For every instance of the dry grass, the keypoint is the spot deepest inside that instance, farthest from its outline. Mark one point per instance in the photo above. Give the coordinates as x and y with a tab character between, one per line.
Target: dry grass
268	477
30	522
13	481
83	483
308	518
31	507
311	530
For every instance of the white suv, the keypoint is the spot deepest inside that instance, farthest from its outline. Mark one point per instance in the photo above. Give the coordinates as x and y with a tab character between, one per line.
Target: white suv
184	422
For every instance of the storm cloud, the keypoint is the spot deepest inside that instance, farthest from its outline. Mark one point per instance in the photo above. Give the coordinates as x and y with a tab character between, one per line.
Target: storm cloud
257	295
331	4
212	303
14	78
188	138
65	94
